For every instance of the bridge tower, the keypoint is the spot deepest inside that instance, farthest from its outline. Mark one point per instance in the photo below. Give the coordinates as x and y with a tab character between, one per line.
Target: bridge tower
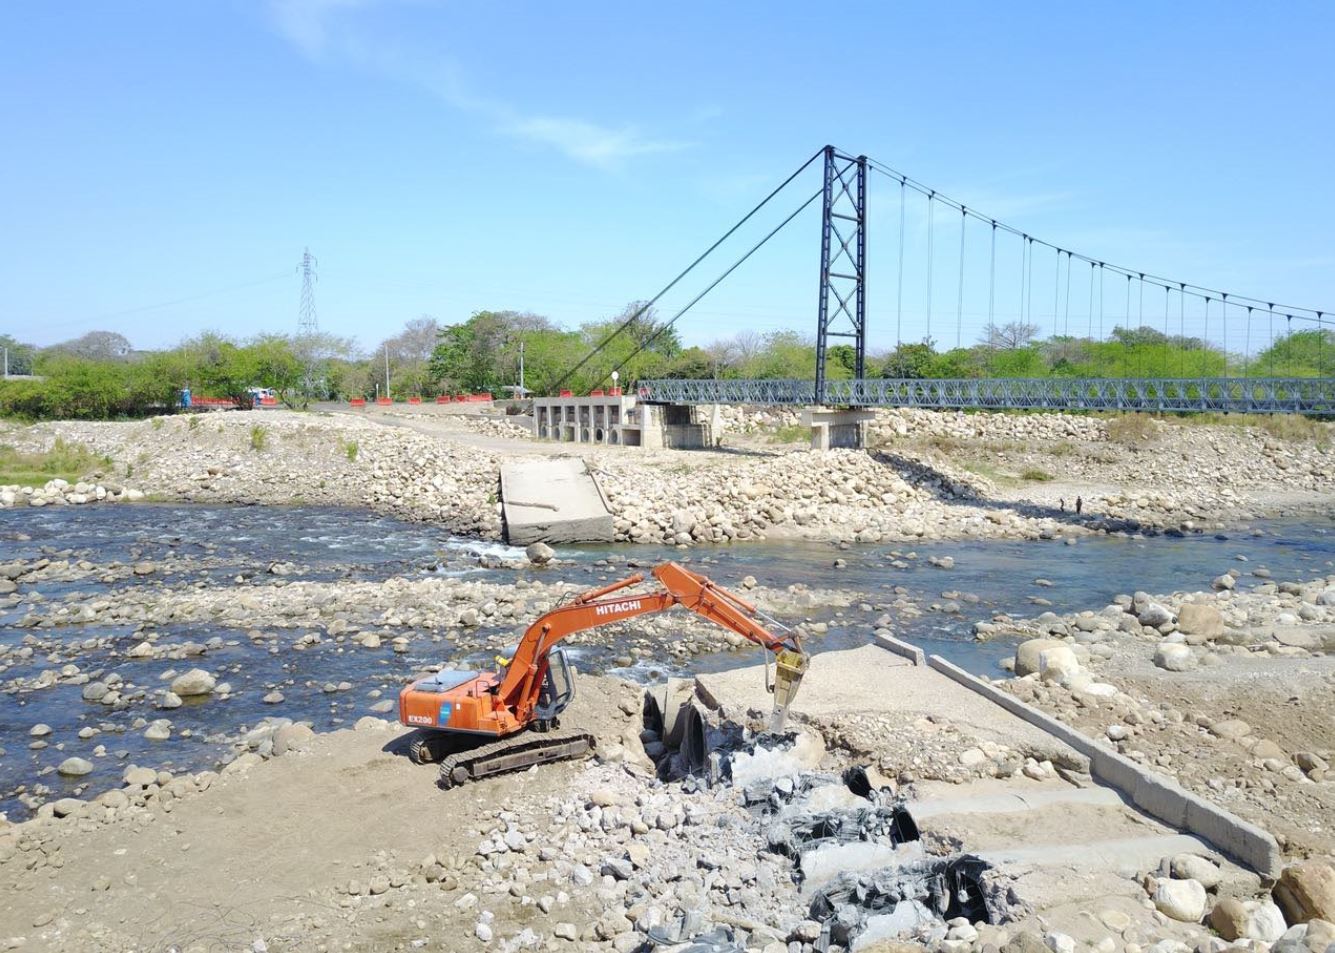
842	311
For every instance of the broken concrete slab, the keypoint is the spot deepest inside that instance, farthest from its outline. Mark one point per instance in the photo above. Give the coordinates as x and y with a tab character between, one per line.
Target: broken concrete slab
870	679
553	501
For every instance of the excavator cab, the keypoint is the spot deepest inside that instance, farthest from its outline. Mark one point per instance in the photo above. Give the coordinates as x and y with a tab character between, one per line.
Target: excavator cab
558	691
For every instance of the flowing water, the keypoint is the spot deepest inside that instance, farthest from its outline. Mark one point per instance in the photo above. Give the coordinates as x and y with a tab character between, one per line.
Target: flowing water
218	544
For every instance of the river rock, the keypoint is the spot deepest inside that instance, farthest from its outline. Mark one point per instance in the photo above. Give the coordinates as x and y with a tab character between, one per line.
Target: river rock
291	738
1180	900
1235	919
539	554
1202	620
139	777
1027	654
1231	728
1223	583
66	806
159	730
193	683
1058	663
75	767
1174	657
1151	613
1306	891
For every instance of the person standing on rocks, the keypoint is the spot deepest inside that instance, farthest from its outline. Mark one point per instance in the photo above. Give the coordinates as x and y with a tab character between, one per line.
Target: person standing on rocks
1079	505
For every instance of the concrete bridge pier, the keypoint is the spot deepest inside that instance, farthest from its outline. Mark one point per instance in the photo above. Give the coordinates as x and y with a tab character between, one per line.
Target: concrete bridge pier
833	427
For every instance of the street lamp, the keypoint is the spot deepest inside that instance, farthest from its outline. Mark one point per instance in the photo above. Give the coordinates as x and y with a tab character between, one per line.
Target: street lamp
616	375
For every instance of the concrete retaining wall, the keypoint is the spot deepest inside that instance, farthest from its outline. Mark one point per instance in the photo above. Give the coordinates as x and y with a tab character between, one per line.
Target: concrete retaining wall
1152	793
900	647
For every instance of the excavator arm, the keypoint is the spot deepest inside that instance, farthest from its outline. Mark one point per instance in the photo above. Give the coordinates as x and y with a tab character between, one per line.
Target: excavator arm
522	684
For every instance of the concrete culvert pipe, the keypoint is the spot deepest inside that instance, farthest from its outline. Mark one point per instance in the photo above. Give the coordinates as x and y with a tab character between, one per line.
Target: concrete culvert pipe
694	740
677	696
653	709
857	781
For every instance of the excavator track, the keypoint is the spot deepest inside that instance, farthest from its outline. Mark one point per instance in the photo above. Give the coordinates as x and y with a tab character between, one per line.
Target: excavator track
514	754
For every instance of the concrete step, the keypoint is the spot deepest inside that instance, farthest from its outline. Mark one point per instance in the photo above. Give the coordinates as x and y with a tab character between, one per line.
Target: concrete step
1127	854
1006	799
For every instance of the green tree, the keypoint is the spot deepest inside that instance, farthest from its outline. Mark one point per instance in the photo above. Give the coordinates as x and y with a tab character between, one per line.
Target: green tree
910	360
21	356
1308	353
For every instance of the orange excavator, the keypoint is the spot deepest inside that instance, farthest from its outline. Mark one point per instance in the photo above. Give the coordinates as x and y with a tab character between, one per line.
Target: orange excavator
476	724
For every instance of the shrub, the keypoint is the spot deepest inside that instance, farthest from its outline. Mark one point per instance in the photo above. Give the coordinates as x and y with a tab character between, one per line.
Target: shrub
1035	475
259	437
350	448
67	461
1131	429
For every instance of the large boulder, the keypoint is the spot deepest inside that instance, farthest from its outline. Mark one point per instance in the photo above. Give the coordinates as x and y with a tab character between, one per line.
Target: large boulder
193	683
1196	619
291	738
539	554
1194	867
1027	654
1152	614
1058	663
1174	657
1180	900
75	767
1235	919
1306	891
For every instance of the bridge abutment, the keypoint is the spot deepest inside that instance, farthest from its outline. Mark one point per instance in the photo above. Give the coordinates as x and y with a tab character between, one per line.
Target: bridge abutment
833	428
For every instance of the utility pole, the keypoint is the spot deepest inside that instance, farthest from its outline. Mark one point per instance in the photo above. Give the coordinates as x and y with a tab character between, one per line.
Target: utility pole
387	393
308	324
521	368
521	373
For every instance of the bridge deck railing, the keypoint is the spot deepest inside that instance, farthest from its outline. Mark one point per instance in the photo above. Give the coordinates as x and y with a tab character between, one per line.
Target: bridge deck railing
1250	395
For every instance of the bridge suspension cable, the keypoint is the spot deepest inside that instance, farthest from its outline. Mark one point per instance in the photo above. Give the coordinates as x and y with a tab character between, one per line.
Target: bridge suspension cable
661	329
686	271
908	182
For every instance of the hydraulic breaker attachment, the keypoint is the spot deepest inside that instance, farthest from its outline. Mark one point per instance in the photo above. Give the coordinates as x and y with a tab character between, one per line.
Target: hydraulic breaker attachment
789	668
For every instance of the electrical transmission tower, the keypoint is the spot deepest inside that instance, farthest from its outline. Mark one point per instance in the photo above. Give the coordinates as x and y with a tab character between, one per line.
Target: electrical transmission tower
308	325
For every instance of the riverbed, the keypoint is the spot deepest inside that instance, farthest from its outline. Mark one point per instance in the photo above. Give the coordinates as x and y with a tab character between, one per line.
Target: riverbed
330	685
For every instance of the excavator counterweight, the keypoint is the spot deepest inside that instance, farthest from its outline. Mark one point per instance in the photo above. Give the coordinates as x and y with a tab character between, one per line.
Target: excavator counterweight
471	722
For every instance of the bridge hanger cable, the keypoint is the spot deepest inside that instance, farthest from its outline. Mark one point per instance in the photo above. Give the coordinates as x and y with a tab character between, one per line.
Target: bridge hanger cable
1029	297
899	284
714	284
1196	290
1056	290
1024	258
992	280
959	296
931	245
689	268
1066	318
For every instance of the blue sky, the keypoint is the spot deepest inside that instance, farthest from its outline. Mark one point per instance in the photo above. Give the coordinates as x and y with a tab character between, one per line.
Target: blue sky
165	163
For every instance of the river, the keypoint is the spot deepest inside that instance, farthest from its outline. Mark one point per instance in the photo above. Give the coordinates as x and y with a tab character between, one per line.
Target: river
218	544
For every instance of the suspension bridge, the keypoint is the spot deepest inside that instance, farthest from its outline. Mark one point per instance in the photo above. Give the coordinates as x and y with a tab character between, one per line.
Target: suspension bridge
1219	346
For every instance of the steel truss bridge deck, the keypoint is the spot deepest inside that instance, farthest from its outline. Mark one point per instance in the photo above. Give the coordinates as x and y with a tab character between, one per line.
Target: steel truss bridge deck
1250	395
